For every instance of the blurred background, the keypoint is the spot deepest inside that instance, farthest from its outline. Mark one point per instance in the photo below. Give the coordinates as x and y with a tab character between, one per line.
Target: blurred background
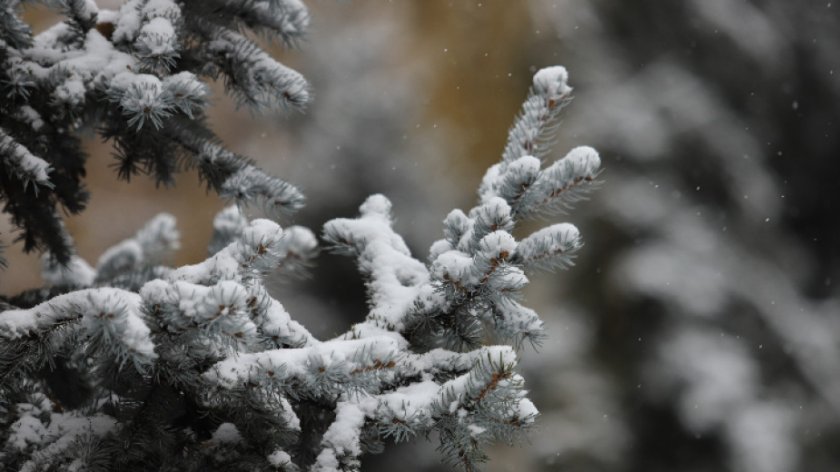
700	329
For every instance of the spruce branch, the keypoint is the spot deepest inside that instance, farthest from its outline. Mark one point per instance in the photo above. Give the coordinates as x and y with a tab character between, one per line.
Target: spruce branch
137	75
199	367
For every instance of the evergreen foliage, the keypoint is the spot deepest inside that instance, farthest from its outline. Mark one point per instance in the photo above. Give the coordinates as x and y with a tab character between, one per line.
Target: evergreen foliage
132	365
135	76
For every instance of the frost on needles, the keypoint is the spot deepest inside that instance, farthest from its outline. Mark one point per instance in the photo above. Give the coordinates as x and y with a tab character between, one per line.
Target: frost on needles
131	365
135	75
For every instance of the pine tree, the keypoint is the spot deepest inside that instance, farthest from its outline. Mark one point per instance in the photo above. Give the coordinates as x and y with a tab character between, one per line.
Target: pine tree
132	365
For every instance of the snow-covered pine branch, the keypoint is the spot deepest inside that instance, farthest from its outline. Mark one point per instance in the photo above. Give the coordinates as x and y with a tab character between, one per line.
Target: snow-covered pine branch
137	75
131	365
518	179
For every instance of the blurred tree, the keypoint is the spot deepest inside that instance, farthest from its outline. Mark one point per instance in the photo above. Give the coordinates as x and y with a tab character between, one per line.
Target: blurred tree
712	286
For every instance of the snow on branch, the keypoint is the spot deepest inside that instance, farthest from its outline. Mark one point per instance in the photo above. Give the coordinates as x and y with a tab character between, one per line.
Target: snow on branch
395	278
22	164
550	248
151	245
254	252
112	316
288	19
213	350
57	437
254	77
518	178
533	129
138	76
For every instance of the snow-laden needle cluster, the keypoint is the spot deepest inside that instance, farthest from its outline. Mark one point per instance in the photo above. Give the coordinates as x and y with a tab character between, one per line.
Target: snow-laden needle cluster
136	75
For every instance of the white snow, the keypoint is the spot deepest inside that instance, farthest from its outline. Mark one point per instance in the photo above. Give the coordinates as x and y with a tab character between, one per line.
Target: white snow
157	37
258	239
550	82
279	364
135	15
113	312
26	431
77	272
550	245
226	433
396	278
279	458
496	245
268	81
456	266
584	158
56	435
71	91
26	165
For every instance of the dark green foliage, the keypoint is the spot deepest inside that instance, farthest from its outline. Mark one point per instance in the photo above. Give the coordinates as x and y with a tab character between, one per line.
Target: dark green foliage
69	79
